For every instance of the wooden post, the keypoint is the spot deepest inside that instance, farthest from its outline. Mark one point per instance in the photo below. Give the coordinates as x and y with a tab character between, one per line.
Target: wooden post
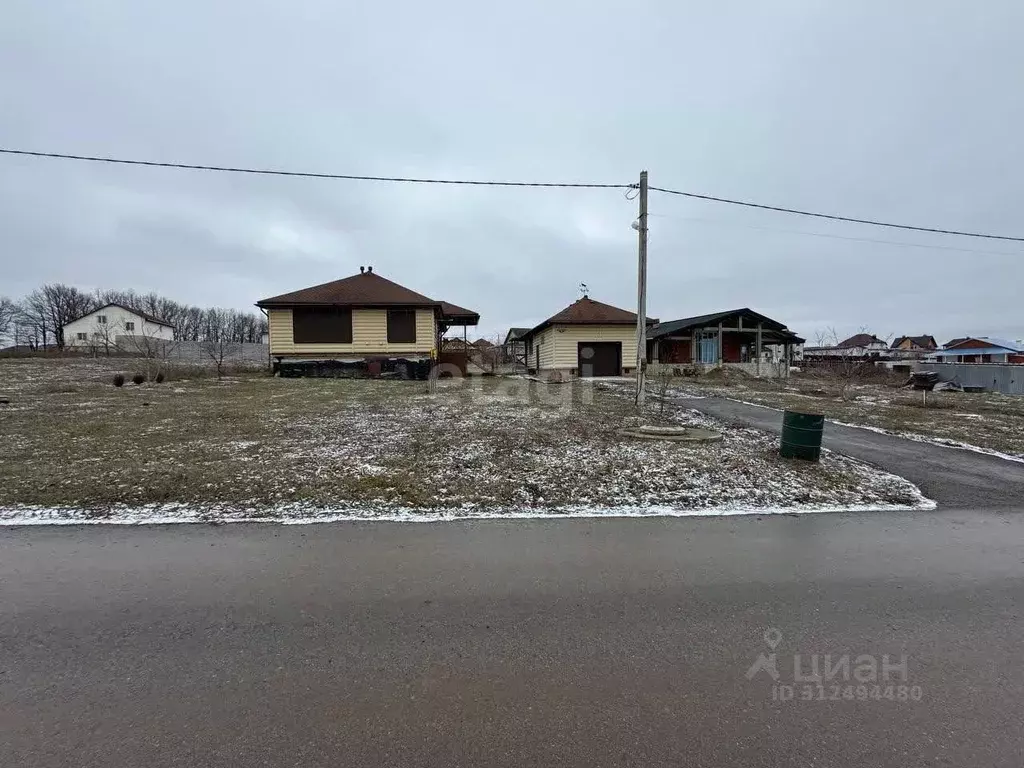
758	346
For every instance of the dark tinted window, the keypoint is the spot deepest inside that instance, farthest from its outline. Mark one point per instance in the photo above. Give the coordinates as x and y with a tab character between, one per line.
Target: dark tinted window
401	326
322	325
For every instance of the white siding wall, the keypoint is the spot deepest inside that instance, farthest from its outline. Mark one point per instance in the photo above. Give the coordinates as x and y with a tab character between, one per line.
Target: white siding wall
369	336
98	334
559	344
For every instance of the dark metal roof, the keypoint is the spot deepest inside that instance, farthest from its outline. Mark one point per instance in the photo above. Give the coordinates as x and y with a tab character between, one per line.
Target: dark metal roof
514	334
925	342
364	289
670	327
453	314
859	340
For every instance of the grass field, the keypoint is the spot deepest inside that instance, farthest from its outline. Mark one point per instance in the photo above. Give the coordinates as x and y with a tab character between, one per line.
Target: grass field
988	420
252	444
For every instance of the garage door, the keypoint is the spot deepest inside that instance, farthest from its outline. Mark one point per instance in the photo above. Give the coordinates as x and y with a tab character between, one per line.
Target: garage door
599	358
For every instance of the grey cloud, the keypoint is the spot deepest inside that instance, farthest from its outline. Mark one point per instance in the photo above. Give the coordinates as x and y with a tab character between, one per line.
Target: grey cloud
905	112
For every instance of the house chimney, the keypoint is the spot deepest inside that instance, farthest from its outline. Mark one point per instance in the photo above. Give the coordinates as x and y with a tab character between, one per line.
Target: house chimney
370	269
361	270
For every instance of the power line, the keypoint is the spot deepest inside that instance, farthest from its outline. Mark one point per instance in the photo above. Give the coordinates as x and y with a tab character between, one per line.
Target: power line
833	237
310	175
834	217
483	183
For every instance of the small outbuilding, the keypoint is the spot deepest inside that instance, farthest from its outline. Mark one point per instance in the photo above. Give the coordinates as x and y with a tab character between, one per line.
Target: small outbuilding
587	338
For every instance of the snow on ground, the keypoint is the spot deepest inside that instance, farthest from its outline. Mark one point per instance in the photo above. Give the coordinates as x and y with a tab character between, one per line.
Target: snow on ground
296	450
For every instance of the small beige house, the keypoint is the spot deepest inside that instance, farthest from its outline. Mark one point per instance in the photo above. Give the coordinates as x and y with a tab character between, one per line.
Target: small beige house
585	339
361	317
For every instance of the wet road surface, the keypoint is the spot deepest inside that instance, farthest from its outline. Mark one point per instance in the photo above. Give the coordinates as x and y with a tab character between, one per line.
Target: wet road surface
548	643
950	476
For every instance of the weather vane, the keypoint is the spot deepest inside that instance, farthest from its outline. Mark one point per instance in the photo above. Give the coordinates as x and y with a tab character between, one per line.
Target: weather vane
583	290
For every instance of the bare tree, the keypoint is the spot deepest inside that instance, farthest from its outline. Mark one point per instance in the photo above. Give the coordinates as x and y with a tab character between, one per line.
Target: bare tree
8	315
47	310
220	351
61	304
148	345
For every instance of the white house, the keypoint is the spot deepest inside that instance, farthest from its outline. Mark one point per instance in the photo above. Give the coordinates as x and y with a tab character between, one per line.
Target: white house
101	327
858	345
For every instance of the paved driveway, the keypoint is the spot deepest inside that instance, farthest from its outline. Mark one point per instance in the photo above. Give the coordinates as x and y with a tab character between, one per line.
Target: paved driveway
951	476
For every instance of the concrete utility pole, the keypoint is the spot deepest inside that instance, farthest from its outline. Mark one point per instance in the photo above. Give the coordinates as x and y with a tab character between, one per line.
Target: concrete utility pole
641	298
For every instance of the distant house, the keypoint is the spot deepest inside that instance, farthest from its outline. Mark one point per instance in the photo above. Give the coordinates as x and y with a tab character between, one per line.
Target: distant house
358	318
101	327
735	336
587	338
863	344
912	347
515	347
858	345
980	349
455	345
915	343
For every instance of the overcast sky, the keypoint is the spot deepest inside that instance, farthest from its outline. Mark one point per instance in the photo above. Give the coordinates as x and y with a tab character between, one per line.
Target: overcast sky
908	111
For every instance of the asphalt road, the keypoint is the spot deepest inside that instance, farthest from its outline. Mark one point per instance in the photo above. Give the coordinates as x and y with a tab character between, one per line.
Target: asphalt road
548	643
950	476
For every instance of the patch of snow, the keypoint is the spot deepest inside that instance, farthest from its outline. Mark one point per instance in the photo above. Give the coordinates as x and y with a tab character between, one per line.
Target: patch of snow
291	514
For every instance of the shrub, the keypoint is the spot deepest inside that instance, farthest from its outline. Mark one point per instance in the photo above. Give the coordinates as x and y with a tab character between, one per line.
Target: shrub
139	378
160	377
118	379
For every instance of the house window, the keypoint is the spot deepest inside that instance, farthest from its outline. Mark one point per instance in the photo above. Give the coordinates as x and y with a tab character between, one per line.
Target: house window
401	326
129	325
81	337
101	319
322	325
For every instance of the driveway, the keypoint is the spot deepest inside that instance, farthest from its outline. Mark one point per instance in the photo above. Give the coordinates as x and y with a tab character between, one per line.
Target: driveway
586	643
951	476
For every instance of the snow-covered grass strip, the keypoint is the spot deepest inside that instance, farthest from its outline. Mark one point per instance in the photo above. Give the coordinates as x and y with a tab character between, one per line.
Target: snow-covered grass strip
917	437
945	442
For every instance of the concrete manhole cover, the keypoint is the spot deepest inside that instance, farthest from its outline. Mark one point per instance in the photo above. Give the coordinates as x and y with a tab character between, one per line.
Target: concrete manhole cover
672	434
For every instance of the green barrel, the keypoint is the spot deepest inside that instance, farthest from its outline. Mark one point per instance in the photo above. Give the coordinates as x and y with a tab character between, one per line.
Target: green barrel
801	435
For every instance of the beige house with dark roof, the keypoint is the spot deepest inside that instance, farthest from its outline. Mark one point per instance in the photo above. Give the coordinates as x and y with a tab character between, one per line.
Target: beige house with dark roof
359	317
587	338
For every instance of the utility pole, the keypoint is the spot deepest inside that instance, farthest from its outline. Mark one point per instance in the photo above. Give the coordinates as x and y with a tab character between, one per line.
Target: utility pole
641	296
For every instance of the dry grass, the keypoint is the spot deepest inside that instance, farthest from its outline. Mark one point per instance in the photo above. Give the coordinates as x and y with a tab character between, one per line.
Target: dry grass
72	439
989	420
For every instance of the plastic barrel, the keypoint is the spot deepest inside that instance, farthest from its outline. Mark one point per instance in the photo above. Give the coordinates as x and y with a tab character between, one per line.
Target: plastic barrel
801	435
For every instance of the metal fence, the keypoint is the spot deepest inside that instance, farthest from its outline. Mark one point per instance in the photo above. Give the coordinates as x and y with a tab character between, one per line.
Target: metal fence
193	351
994	377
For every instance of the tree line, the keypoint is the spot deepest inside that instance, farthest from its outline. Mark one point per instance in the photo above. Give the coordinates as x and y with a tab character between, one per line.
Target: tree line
38	319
